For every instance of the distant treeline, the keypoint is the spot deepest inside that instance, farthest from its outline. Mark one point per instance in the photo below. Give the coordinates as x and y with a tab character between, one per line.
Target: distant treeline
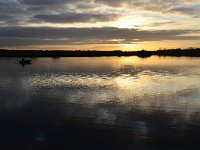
191	52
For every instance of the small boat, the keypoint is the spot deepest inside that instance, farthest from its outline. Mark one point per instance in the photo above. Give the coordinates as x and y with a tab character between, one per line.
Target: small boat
25	61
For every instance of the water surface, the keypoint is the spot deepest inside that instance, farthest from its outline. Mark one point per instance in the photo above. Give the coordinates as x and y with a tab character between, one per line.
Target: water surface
149	99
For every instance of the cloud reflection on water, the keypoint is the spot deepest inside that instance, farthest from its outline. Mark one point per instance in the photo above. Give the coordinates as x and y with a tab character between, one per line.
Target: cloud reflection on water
127	101
107	91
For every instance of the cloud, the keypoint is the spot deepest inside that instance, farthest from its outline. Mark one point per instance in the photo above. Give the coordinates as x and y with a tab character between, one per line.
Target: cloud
75	17
11	12
17	15
113	3
182	7
158	24
23	36
186	11
47	2
18	12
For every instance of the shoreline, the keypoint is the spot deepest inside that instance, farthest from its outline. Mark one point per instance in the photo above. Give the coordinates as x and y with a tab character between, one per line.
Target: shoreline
94	53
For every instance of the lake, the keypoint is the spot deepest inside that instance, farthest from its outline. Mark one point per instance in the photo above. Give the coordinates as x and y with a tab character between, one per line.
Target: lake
100	103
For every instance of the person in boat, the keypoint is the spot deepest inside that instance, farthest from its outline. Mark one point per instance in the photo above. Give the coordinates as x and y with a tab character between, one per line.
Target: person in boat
23	61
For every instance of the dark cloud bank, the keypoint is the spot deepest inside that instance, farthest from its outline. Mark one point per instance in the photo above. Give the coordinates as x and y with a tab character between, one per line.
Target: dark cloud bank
29	35
74	17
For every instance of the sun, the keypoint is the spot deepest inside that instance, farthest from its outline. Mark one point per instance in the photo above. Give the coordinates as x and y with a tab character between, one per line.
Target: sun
129	22
127	47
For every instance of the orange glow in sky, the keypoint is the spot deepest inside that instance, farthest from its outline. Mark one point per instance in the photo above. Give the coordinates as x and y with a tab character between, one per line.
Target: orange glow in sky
99	24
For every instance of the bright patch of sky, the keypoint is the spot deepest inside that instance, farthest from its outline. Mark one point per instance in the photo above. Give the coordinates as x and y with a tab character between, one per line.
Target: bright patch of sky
122	21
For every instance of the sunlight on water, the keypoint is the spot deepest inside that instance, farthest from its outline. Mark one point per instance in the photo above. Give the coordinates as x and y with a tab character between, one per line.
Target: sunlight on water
107	90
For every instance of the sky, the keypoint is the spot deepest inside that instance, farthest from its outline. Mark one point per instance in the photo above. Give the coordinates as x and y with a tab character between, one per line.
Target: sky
99	24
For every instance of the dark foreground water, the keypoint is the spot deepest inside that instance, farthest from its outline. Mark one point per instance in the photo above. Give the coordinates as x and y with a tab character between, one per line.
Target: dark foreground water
100	103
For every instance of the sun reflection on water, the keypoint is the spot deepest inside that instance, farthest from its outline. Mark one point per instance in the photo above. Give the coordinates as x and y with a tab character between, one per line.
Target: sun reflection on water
106	90
133	82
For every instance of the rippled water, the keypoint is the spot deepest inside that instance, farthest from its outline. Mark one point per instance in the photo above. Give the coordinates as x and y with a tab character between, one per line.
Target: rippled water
119	91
